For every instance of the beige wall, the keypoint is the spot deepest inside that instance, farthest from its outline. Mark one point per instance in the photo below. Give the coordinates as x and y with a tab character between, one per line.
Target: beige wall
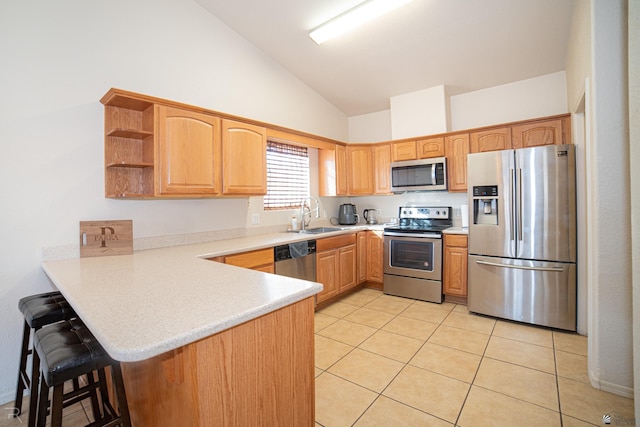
634	160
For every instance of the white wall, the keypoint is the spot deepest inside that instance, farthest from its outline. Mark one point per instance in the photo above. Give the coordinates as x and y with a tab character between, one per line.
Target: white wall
610	312
522	100
425	112
58	60
373	127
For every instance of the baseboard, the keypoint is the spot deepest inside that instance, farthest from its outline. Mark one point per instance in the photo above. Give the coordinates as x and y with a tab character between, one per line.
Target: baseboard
618	389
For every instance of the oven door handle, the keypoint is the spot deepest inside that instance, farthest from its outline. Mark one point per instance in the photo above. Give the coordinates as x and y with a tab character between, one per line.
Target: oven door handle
520	267
422	235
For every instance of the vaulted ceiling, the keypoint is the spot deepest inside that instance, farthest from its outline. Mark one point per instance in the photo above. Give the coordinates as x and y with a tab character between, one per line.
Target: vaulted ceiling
465	45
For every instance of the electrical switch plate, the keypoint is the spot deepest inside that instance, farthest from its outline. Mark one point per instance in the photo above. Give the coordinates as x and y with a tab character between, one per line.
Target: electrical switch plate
255	218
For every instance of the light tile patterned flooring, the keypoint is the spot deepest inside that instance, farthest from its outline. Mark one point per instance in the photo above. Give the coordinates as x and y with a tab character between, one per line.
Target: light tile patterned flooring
388	361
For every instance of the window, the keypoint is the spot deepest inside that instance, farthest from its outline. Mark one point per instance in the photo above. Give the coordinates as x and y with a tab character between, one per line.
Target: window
287	176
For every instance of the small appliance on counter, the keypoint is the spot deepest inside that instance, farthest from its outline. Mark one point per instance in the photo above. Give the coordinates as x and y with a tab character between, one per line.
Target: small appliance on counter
347	214
371	216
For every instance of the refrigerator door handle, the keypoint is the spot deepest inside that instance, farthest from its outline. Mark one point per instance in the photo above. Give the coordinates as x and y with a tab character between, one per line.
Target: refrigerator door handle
511	205
519	208
520	267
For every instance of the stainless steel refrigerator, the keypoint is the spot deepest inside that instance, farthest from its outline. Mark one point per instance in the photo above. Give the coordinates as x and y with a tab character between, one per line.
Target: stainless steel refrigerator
522	235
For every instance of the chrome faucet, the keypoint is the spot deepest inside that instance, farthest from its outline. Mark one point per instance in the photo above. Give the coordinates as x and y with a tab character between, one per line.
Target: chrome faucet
306	210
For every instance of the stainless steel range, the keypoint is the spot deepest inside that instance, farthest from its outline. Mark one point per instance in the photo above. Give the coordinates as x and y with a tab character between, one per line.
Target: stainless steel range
413	253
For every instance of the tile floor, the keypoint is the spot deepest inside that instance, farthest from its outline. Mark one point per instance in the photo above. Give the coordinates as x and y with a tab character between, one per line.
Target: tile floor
389	361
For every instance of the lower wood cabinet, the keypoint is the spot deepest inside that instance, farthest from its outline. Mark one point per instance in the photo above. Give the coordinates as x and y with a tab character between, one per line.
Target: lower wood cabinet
455	264
375	248
336	265
261	260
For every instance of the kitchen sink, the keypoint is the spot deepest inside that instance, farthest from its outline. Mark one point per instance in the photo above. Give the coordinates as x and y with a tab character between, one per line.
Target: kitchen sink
317	230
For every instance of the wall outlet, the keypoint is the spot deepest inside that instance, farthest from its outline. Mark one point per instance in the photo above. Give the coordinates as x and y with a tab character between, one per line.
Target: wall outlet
255	219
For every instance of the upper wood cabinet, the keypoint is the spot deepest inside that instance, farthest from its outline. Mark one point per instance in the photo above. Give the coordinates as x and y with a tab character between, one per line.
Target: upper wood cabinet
244	156
534	133
548	132
188	152
342	186
129	146
456	150
403	150
360	168
332	171
432	147
491	140
382	168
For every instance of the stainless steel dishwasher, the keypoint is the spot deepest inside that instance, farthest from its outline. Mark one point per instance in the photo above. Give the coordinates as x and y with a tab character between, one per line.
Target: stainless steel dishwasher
296	260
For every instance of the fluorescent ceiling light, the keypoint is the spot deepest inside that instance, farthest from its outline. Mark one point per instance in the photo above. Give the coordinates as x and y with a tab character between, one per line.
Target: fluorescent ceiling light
353	18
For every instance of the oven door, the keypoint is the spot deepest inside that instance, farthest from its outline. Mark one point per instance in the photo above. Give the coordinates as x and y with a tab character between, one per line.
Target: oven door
416	256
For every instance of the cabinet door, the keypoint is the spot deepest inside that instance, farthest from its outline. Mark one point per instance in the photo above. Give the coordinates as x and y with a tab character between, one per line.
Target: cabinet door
433	147
536	134
360	169
342	187
244	155
455	265
375	247
327	273
188	152
405	150
491	140
382	169
347	268
456	149
362	256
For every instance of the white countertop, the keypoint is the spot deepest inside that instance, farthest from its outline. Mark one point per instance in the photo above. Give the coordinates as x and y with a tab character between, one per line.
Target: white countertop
142	305
456	230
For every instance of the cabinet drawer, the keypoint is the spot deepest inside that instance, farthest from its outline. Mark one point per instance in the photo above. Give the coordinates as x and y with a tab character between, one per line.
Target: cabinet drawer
335	242
458	240
251	259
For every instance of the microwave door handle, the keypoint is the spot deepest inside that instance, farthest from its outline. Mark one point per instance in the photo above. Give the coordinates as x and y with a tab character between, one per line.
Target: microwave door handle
433	174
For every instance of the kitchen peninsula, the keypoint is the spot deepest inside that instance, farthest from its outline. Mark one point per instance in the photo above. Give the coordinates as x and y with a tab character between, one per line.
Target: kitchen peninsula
201	343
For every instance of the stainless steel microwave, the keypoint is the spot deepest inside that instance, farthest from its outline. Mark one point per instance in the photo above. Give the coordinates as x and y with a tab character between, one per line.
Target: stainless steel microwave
419	175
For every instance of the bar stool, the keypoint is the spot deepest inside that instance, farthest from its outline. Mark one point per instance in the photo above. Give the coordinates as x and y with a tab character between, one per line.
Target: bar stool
38	311
66	351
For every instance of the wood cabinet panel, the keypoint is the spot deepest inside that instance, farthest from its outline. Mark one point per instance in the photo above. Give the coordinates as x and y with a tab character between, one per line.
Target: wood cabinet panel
361	248
432	147
537	134
455	265
382	168
360	167
342	186
188	152
405	150
261	259
456	149
491	140
244	156
348	268
243	374
327	273
375	248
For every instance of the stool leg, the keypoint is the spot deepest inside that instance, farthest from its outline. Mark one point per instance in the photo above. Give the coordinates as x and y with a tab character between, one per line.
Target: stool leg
33	398
123	408
43	403
95	406
56	405
23	379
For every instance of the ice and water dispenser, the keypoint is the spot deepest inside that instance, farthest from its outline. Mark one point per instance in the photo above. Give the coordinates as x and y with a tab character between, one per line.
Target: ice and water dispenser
485	204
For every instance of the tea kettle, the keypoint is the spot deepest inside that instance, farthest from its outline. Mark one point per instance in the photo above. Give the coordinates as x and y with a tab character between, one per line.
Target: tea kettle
370	215
347	214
